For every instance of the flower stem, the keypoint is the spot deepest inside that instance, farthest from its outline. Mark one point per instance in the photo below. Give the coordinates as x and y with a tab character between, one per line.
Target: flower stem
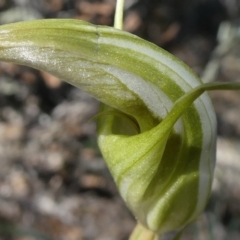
142	233
118	18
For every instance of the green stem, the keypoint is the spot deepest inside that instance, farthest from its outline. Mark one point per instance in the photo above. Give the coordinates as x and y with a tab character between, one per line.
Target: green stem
118	18
142	233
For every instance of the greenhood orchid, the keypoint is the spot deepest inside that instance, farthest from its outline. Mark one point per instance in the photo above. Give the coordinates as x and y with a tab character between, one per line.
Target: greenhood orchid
156	126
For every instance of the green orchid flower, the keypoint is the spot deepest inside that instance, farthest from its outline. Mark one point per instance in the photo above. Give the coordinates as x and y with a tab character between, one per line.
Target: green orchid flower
156	126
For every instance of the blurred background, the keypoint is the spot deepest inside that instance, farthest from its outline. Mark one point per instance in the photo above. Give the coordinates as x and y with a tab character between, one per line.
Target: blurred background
54	184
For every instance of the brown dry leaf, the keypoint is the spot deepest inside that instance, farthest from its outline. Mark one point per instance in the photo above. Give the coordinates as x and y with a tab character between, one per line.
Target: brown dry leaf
50	80
92	181
18	184
56	5
170	33
88	8
11	132
132	22
28	76
72	233
88	154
